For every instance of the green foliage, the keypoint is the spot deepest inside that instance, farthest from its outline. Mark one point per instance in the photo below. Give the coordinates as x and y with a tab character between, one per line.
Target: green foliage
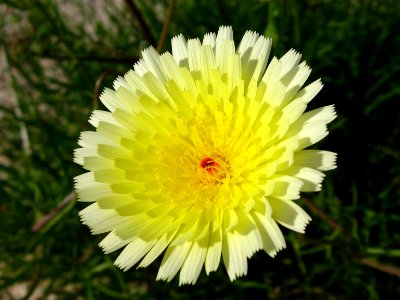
55	54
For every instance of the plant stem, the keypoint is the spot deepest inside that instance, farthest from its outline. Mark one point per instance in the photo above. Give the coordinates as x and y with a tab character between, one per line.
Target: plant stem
164	31
144	28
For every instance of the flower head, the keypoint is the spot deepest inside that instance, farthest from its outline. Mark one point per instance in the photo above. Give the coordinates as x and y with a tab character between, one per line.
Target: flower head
201	155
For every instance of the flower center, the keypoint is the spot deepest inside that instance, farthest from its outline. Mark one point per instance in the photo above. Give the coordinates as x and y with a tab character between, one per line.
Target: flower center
214	170
209	165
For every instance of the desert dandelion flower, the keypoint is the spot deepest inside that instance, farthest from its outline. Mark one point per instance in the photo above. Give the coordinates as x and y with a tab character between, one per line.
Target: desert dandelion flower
202	154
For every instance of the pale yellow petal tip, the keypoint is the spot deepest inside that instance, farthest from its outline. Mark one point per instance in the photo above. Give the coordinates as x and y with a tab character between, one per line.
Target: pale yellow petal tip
120	81
83	180
301	223
78	159
140	68
274	251
291	57
87	214
225	33
331	112
328	161
179	49
209	39
187	280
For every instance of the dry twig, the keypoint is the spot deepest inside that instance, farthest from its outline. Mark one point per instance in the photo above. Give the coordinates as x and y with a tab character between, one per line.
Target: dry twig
144	28
164	31
51	215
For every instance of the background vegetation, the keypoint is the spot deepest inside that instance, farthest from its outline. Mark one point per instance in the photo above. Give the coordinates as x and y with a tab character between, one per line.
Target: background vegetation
58	55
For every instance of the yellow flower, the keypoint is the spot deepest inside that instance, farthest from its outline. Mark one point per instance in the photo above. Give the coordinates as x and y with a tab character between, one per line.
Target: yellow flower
202	154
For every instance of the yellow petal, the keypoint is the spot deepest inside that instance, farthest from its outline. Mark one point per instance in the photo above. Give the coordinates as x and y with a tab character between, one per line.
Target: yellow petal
289	214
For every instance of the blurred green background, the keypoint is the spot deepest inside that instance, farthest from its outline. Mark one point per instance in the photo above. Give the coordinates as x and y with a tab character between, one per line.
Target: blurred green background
57	56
